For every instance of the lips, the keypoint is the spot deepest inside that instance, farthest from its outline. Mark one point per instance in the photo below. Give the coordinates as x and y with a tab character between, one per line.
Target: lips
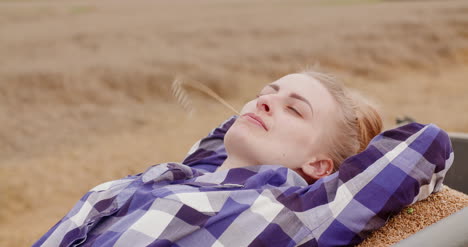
256	119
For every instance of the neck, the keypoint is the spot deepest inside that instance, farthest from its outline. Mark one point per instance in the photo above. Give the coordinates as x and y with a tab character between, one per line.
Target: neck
233	162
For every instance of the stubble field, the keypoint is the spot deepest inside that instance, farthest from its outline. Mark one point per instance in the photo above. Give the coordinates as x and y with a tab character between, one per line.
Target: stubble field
85	85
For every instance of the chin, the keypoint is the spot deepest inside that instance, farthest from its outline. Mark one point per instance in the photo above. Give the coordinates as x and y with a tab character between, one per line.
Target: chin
239	141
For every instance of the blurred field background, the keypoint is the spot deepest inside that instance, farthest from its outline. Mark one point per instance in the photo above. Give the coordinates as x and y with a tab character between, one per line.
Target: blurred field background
85	85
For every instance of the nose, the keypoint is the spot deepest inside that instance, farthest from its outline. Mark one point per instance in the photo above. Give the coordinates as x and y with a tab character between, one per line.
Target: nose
264	104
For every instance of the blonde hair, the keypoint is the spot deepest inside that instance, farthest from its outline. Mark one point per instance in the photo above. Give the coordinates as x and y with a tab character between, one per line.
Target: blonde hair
357	123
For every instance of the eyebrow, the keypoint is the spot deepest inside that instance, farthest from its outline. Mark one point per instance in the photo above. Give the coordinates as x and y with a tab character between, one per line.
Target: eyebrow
293	95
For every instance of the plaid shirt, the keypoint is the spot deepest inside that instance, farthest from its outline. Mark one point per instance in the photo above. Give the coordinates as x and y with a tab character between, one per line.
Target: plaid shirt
191	204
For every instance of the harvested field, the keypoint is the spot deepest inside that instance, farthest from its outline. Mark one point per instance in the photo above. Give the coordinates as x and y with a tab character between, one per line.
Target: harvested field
85	85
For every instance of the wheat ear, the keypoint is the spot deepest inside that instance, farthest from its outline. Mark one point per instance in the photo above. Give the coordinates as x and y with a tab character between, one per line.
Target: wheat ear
182	97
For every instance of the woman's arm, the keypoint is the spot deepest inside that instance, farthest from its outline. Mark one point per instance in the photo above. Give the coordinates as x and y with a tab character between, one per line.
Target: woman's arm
399	167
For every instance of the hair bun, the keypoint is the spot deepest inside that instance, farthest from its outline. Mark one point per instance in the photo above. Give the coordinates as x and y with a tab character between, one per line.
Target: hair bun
369	124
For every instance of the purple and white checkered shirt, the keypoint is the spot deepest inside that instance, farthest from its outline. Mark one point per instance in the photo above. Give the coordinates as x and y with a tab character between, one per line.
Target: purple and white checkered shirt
192	204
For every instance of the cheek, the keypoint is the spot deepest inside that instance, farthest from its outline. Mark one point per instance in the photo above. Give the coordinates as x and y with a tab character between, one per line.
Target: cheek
249	107
300	137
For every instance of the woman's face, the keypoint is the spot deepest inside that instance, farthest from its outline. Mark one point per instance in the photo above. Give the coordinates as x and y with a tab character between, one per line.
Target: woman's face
284	125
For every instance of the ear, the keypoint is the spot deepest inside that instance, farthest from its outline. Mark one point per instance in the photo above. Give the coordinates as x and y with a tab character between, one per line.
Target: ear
318	169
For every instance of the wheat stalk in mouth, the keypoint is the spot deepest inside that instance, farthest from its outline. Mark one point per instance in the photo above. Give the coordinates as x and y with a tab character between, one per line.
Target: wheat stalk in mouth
181	94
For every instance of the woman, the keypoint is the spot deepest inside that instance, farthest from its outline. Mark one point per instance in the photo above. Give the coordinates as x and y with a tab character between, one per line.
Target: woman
265	178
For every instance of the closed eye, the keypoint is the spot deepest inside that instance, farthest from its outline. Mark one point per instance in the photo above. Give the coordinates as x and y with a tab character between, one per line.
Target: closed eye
295	111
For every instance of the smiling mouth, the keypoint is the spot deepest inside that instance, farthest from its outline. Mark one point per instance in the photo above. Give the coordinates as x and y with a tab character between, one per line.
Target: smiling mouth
255	119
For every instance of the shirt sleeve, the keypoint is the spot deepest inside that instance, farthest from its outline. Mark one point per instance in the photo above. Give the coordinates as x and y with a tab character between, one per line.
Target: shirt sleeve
209	153
100	201
399	167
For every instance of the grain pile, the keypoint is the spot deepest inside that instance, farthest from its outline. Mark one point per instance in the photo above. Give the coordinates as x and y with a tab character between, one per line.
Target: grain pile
418	216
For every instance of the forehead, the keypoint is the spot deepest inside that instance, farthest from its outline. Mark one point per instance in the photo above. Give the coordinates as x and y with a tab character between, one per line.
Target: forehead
304	85
309	88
